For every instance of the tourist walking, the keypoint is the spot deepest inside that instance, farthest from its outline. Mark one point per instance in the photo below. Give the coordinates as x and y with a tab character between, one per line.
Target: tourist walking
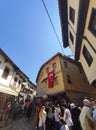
42	119
75	112
28	109
6	113
67	117
49	119
56	119
36	117
85	117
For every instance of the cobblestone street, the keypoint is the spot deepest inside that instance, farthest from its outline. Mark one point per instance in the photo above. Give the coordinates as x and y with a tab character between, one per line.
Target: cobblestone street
19	124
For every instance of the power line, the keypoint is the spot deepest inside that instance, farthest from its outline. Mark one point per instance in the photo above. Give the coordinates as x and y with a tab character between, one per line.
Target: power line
52	25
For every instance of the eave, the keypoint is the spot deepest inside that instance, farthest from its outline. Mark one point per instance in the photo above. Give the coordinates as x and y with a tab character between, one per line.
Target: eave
64	21
7	59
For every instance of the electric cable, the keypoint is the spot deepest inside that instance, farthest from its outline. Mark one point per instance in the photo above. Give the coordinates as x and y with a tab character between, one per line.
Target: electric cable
52	25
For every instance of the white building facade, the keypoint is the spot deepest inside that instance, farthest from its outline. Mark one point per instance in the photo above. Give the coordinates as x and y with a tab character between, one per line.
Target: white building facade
13	82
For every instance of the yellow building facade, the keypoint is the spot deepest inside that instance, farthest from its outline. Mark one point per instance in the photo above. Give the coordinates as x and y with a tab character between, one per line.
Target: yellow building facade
78	24
88	49
69	79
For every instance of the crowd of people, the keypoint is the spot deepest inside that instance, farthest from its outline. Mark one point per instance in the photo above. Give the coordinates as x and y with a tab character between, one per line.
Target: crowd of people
52	115
49	114
15	109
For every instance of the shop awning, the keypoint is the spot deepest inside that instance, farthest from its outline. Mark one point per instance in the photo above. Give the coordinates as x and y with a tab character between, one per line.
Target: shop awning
7	90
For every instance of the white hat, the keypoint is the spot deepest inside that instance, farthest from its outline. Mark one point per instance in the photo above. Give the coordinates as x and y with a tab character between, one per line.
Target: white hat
72	105
86	101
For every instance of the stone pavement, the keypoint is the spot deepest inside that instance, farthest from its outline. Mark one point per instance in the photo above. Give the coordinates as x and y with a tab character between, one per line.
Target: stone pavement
19	124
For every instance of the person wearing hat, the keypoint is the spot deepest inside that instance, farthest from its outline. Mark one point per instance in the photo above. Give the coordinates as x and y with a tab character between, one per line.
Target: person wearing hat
75	112
85	117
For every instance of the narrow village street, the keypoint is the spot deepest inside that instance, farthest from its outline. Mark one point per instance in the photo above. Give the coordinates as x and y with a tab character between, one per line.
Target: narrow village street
19	124
47	81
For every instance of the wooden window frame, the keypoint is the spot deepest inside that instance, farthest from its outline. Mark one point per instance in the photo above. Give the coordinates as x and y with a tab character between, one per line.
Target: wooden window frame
47	69
92	22
54	65
6	72
69	79
72	14
87	56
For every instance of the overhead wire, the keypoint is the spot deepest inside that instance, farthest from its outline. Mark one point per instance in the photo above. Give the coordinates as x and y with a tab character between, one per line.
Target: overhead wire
52	25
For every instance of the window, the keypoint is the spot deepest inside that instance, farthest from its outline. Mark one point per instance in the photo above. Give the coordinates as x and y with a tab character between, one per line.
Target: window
19	82
72	15
47	69
22	87
92	23
87	56
65	64
54	65
56	82
15	80
72	38
6	72
69	79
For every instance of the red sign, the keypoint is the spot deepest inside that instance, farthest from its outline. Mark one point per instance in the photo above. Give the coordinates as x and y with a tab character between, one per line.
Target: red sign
51	79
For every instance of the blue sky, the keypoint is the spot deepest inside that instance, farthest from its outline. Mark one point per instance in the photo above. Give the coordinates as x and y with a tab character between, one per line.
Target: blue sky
26	34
